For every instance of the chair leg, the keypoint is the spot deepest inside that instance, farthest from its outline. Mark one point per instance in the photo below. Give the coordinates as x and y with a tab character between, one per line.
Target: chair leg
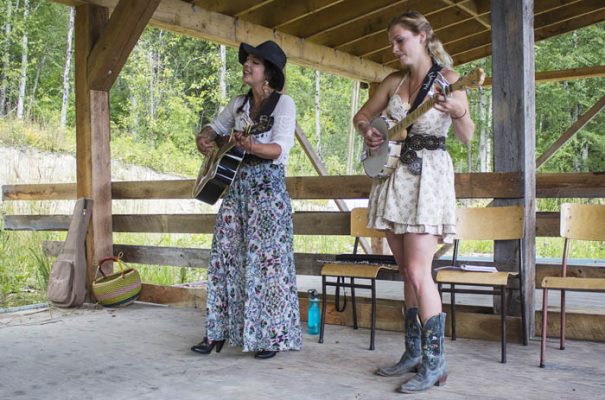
503	318
563	320
439	287
453	310
523	320
353	303
544	326
323	309
373	328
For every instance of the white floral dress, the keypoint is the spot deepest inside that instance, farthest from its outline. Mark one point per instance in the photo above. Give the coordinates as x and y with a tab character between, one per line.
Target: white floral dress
425	203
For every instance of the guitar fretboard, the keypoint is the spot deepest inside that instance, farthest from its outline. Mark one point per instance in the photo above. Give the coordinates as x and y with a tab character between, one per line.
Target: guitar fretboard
421	109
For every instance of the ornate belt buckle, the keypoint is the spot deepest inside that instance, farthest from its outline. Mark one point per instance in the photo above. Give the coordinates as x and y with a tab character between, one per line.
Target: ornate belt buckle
415	167
416	142
408	156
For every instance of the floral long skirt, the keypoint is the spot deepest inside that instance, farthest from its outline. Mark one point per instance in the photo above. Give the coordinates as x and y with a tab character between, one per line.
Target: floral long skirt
252	296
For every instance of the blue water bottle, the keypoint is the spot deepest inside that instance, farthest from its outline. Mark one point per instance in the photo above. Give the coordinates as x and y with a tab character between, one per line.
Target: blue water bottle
313	313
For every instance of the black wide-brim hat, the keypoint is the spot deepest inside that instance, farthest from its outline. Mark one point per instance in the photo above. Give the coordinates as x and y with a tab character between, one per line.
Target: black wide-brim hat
270	52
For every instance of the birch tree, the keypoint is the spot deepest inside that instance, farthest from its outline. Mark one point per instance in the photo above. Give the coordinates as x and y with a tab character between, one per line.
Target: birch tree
222	76
5	57
318	111
23	74
64	102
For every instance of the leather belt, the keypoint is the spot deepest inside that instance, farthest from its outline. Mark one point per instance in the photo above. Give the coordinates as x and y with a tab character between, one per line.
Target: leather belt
414	143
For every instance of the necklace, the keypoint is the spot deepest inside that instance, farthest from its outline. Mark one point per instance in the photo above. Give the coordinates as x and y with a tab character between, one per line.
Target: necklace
412	93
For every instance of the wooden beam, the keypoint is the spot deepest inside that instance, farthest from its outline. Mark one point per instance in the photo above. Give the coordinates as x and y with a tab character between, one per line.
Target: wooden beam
174	296
119	37
563	75
305	223
468	186
514	131
93	160
567	135
180	17
306	263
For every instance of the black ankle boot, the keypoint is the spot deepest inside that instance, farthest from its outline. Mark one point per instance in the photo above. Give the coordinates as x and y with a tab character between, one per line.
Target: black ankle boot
264	354
205	347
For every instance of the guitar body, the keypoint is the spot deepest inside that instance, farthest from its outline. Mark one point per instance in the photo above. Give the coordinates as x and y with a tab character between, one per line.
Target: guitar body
381	163
217	173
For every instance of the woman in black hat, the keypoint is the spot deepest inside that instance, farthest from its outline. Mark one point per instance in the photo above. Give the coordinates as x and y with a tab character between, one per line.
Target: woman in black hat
252	296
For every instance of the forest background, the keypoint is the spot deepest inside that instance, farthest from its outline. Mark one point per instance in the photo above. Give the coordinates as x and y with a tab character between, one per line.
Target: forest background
173	84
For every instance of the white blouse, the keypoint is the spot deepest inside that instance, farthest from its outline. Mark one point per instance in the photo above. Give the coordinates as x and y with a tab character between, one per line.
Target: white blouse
282	132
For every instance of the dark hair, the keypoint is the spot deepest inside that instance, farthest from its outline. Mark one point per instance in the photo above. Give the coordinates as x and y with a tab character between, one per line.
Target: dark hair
272	75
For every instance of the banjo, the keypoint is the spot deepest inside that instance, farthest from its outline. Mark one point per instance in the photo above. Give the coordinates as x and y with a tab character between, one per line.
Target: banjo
381	163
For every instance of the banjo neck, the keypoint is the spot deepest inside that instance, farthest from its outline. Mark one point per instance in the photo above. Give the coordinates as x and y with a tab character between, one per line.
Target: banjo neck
399	133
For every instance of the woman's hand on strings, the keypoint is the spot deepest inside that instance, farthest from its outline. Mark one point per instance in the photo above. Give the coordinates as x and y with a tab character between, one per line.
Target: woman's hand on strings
243	141
450	105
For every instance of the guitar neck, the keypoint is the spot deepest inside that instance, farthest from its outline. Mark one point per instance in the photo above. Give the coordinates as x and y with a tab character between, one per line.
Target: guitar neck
396	130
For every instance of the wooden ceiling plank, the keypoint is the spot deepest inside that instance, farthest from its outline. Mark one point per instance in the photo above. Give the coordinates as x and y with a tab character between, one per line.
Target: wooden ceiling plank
462	30
283	12
347	11
541	33
257	5
470	8
230	7
119	37
374	25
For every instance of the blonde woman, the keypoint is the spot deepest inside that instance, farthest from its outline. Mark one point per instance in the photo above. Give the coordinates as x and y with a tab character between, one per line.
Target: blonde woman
415	206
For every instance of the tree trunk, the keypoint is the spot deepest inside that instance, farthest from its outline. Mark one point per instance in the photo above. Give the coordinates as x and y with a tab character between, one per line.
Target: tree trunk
23	75
222	76
351	143
318	112
65	103
5	57
32	96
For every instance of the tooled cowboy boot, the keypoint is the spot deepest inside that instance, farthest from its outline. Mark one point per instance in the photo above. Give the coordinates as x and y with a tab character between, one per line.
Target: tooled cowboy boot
432	370
412	356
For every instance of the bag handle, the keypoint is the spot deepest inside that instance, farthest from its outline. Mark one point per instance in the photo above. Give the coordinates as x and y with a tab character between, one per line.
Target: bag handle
117	259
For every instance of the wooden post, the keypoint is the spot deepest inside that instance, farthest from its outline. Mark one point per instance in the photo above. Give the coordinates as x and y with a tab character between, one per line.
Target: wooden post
93	158
514	125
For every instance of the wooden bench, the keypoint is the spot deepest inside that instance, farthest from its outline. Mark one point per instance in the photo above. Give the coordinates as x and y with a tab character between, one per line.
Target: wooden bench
492	223
354	266
578	222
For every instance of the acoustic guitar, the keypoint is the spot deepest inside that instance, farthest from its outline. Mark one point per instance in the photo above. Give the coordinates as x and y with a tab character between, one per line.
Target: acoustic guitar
219	169
381	162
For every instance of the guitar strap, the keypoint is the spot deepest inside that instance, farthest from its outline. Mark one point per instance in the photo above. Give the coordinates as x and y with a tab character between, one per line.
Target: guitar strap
264	121
424	89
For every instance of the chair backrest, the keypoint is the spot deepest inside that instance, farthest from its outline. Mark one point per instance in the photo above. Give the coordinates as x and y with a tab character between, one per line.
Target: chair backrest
490	223
359	222
583	221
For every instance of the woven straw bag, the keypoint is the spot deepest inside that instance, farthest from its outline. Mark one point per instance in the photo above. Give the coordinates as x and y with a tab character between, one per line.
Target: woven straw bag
118	289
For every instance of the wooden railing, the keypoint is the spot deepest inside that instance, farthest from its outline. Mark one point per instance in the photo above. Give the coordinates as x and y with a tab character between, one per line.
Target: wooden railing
468	186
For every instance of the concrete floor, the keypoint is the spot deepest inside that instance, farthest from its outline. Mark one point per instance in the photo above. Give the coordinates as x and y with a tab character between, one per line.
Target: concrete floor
142	352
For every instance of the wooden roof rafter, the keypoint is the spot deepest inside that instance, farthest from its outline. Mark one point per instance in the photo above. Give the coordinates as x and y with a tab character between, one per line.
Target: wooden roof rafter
349	34
544	27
